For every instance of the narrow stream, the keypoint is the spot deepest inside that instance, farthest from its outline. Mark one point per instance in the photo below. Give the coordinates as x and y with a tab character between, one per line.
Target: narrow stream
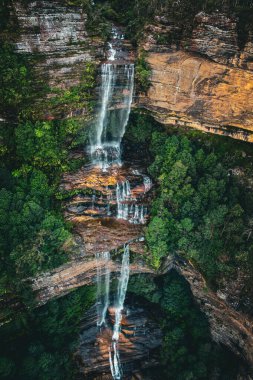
120	299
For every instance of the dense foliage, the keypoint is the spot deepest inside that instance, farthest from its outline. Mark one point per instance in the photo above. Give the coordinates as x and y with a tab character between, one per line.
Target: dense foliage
34	153
198	213
142	73
40	344
16	90
201	211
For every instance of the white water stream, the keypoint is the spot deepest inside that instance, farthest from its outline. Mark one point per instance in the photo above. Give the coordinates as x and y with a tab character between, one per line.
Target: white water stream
120	299
105	139
103	286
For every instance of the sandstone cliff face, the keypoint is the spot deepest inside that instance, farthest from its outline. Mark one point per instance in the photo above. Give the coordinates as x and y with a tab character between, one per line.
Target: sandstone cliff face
58	35
207	84
75	274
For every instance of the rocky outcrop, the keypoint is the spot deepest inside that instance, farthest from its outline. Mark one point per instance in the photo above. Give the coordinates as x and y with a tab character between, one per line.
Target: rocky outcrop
228	327
75	274
191	91
59	53
207	84
215	36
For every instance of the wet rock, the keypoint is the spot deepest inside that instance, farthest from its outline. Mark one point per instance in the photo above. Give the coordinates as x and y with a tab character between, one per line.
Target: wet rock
75	274
136	351
95	216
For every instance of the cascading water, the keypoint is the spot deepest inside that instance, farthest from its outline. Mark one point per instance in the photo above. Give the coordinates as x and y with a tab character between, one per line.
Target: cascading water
126	208
138	215
147	183
123	193
103	286
120	299
116	94
116	98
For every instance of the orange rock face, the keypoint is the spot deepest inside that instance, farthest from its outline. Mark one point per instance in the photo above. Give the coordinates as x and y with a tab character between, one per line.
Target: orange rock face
192	91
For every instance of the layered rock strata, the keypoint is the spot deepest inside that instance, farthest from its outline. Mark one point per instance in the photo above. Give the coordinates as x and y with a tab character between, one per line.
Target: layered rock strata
228	327
74	275
139	338
204	82
192	91
58	34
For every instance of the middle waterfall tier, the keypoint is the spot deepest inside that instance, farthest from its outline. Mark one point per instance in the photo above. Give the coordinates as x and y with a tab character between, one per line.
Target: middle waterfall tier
116	94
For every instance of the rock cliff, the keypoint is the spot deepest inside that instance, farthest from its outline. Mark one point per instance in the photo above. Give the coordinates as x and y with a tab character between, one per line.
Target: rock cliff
58	34
204	82
54	37
75	274
228	327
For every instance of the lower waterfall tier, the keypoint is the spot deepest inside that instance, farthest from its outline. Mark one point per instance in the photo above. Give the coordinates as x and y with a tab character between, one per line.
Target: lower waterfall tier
139	338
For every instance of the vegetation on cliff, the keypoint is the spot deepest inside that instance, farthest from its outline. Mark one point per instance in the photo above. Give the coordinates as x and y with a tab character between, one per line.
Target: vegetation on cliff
34	154
136	14
202	212
142	73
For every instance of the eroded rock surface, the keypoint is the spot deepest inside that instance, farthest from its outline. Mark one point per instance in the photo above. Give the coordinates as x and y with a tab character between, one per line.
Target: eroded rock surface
76	274
205	82
59	35
95	214
228	327
191	91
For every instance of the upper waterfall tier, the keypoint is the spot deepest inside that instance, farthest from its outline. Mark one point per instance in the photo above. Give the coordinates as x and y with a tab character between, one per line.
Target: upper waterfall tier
114	105
116	93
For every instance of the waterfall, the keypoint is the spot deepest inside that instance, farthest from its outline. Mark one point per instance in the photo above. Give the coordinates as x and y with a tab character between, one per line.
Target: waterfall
123	194
121	295
108	75
147	183
116	94
103	286
134	213
137	214
112	52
